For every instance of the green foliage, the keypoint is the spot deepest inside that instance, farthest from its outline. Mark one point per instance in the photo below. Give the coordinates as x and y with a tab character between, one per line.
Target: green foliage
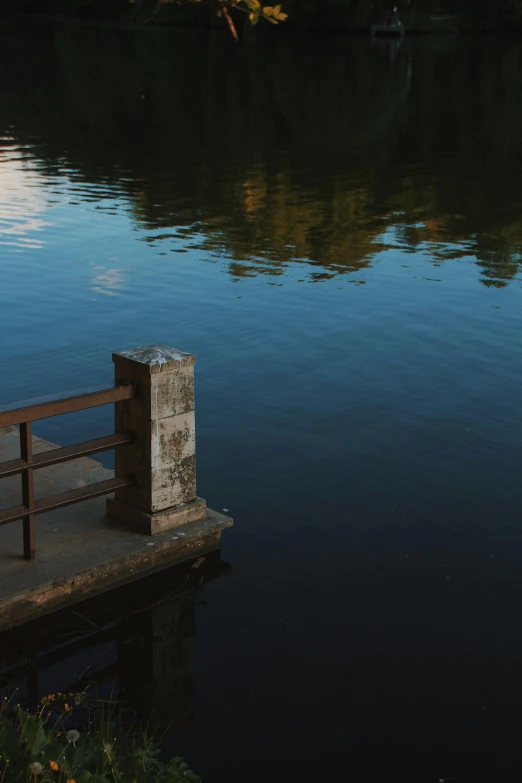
43	746
272	13
225	8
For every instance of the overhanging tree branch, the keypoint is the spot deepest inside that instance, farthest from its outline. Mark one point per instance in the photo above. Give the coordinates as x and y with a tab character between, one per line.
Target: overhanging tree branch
253	8
228	19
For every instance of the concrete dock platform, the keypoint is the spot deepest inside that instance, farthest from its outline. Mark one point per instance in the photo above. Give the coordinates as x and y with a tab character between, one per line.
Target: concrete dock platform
80	551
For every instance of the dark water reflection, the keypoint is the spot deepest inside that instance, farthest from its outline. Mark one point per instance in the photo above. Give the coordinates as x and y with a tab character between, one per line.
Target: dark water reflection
365	431
100	645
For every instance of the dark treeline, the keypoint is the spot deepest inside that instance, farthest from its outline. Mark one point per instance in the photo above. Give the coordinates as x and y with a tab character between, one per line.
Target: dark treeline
349	15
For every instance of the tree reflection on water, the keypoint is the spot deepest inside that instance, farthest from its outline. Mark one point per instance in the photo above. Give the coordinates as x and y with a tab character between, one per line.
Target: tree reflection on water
316	151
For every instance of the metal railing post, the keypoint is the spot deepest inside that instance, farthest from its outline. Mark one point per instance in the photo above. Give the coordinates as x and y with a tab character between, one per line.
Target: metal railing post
26	453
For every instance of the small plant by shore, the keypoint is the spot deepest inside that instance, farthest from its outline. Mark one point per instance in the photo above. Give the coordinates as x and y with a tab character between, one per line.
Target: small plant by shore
72	739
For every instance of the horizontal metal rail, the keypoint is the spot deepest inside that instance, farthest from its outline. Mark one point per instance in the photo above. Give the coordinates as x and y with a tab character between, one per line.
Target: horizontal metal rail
66	499
65	454
34	410
44	410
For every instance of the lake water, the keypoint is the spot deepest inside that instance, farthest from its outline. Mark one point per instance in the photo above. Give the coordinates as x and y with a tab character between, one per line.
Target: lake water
334	227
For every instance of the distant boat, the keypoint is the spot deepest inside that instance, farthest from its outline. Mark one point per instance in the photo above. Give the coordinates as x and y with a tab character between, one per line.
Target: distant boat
390	25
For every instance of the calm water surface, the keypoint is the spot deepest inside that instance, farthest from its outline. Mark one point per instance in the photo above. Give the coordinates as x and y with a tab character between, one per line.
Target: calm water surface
335	229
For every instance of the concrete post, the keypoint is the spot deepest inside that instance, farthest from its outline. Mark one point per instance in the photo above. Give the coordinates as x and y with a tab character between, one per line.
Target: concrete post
163	458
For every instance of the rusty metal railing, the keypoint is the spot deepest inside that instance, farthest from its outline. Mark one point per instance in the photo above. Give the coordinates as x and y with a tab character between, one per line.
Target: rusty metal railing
29	462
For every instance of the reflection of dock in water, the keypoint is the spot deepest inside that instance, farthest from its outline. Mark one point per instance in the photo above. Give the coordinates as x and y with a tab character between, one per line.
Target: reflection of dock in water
388	30
388	46
389	25
139	646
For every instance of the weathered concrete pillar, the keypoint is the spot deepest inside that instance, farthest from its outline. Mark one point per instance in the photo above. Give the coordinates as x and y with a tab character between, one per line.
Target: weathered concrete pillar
163	458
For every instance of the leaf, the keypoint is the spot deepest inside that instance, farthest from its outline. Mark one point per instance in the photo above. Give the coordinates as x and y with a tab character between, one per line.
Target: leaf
52	752
271	20
86	758
39	741
108	749
8	738
30	725
282	17
277	10
268	10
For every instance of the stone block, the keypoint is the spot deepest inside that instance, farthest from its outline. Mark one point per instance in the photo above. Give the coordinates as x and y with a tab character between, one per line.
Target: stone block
160	395
162	488
160	521
152	359
158	443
